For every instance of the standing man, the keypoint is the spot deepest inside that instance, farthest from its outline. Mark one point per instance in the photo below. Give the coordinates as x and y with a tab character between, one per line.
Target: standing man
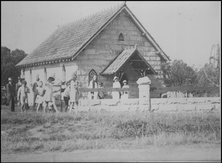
93	84
35	90
11	94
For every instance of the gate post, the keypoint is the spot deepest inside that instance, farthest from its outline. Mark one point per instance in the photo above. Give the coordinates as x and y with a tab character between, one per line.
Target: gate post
144	91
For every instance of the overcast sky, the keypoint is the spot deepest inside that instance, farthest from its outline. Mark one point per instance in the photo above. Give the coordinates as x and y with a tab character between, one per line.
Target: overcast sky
184	30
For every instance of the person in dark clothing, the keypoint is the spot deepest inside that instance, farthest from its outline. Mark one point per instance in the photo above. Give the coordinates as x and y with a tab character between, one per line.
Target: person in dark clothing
11	94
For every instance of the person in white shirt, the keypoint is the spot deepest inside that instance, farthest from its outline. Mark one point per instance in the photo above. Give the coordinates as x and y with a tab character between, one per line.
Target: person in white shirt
49	100
125	94
93	84
40	96
74	93
23	96
116	84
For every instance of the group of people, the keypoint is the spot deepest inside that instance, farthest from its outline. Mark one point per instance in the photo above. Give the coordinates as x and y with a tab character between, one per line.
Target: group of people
43	95
18	94
116	94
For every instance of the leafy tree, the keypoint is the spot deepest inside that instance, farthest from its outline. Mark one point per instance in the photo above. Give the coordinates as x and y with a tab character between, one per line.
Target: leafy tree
209	75
8	61
178	73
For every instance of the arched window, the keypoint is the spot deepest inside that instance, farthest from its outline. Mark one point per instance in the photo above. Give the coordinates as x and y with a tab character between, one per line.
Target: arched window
30	76
63	73
91	74
120	38
45	74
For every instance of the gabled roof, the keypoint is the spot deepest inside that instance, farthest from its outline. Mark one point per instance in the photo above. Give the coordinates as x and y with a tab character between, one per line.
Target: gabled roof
69	40
122	58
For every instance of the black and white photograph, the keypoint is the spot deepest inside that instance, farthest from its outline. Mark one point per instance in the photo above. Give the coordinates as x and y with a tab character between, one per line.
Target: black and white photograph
110	81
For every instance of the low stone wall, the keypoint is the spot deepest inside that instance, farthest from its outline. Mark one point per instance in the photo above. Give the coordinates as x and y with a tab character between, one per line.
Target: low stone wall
157	104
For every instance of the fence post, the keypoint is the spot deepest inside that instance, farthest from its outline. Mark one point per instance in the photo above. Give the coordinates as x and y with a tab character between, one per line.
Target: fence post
144	91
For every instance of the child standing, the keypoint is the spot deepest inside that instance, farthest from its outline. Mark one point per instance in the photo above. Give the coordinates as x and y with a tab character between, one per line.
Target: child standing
23	96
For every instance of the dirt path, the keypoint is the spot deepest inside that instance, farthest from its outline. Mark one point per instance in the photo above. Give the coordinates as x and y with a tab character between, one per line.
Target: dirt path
187	153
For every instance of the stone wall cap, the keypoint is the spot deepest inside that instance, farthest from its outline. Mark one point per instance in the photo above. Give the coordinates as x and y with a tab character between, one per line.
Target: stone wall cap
143	80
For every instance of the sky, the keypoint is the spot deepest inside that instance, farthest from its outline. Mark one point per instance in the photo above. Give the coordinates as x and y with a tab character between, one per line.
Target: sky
184	30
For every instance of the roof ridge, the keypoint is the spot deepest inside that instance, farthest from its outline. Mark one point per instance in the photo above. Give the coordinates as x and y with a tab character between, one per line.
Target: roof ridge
76	21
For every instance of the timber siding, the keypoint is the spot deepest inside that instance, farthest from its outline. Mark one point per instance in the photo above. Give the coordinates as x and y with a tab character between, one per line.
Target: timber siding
105	47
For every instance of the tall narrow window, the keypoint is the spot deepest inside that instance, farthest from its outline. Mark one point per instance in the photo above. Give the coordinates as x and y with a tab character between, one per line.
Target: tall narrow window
120	38
91	74
30	76
63	73
45	74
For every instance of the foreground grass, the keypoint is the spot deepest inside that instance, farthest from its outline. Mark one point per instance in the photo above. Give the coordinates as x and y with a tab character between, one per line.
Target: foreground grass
67	132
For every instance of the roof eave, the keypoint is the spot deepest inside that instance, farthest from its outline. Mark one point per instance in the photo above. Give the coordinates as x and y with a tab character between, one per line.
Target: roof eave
46	62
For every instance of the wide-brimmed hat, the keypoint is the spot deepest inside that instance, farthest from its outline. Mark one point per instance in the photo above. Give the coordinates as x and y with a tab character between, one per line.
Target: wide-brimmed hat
51	78
115	77
124	81
9	79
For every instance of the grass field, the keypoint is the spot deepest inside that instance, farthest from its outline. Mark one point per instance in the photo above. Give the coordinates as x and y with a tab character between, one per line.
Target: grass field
34	132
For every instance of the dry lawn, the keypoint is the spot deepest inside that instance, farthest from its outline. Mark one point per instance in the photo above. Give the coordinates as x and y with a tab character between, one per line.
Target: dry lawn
32	132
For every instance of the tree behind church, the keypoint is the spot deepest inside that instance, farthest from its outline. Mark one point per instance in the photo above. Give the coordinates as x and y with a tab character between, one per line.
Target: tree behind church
8	61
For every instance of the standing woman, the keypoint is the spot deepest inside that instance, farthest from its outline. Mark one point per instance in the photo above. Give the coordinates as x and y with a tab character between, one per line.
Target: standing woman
74	93
17	86
116	84
49	100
